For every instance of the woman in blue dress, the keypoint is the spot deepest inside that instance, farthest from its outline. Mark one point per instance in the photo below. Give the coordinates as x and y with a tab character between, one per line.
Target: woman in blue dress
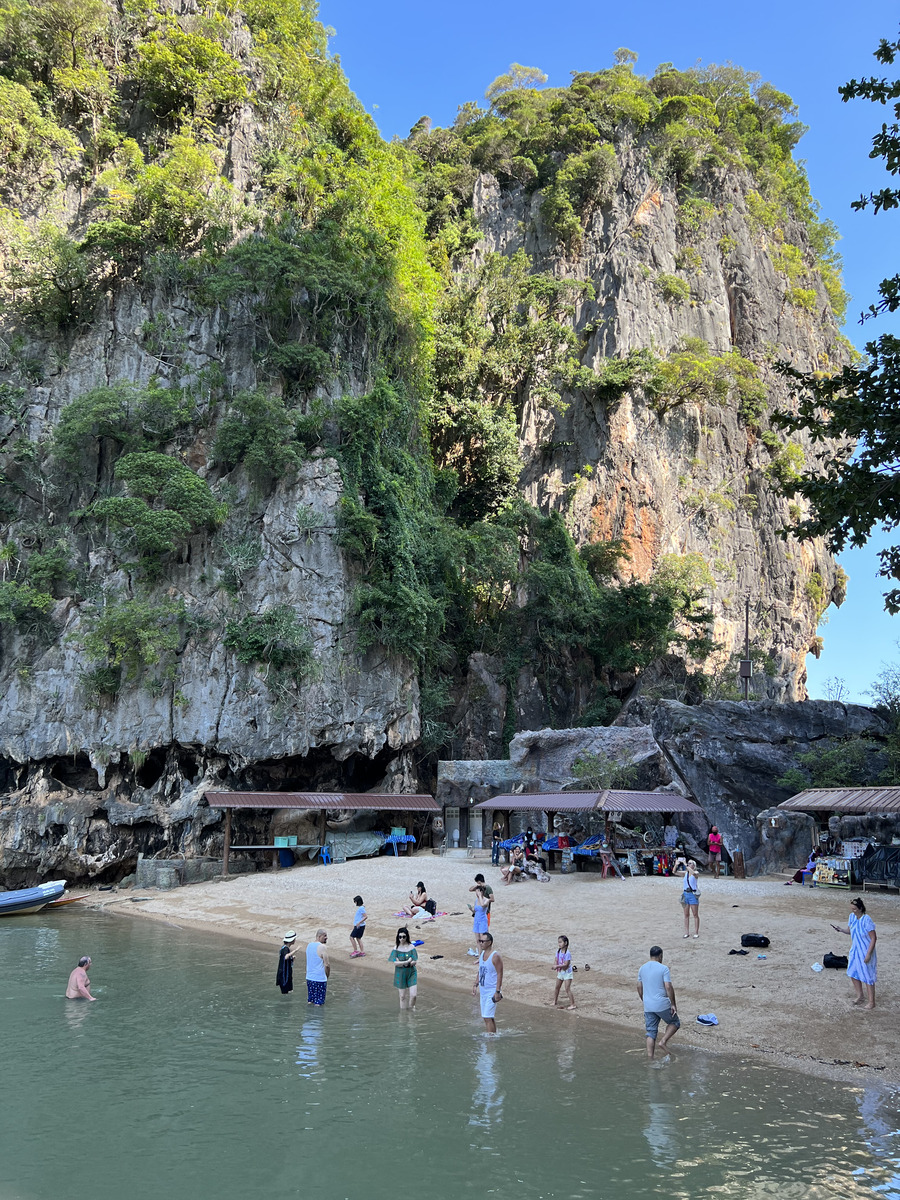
862	967
480	911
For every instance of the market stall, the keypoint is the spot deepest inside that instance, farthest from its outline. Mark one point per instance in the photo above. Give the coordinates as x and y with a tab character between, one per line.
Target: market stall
616	847
846	862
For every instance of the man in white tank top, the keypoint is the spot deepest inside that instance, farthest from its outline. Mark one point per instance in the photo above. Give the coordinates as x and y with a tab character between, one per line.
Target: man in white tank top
488	981
318	968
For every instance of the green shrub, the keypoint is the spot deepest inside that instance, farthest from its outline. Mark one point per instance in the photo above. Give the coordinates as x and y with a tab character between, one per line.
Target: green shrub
584	181
276	639
131	637
166	504
786	466
673	289
22	603
258	432
184	72
132	417
30	144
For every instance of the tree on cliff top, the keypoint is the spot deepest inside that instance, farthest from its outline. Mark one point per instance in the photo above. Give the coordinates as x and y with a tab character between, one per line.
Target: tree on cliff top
515	79
850	496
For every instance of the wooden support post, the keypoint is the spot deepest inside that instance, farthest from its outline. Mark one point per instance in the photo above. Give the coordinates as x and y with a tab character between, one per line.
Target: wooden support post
227	841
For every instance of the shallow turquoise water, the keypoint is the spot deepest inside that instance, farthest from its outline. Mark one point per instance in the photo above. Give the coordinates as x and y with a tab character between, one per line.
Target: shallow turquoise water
193	1076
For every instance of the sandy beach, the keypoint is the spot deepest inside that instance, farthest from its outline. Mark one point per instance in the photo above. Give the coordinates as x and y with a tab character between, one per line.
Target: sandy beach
777	1006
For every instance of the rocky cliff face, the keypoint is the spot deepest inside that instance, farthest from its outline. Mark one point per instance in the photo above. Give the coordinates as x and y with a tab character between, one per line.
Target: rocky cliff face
728	757
694	477
237	245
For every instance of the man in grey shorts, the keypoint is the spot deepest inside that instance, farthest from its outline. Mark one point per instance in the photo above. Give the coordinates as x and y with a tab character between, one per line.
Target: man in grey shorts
655	989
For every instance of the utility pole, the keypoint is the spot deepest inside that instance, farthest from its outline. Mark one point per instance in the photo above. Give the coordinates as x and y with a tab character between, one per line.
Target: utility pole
746	670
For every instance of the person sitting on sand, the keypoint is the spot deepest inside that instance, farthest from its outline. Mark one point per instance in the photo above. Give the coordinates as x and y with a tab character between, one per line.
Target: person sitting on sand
797	877
419	904
516	866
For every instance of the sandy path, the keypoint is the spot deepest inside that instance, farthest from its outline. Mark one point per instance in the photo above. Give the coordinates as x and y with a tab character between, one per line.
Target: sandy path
776	1006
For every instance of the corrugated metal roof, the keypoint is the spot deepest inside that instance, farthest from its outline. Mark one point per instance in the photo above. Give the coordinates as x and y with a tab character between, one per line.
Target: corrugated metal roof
845	799
649	802
319	800
612	801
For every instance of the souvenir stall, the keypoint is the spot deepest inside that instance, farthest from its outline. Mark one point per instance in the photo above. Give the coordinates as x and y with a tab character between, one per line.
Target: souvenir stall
867	858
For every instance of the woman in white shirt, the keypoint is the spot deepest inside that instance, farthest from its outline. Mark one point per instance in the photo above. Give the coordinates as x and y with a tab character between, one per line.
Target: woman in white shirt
690	899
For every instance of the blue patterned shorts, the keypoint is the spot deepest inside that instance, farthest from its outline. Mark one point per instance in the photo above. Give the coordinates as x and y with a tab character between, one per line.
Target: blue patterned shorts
315	991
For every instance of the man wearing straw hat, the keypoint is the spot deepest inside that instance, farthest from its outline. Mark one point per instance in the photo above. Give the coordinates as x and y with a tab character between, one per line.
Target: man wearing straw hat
285	976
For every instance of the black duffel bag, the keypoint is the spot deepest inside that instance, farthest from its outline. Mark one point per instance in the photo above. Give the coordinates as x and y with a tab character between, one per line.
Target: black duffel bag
754	939
835	960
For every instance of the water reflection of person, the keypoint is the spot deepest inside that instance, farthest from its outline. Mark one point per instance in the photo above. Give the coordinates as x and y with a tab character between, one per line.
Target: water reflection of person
487	1099
661	1129
310	1045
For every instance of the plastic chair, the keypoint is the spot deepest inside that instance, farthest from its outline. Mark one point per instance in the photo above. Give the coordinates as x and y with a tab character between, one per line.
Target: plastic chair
325	854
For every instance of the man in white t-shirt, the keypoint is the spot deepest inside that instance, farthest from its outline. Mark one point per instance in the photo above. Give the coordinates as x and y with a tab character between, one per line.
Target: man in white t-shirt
656	991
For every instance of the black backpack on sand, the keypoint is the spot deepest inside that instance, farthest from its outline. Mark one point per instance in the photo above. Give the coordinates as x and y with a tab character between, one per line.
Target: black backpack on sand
835	960
754	939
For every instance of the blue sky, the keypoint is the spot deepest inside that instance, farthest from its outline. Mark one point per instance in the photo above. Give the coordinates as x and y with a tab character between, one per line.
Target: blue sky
405	60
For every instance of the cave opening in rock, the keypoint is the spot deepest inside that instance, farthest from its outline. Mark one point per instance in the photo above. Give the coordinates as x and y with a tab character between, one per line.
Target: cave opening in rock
151	769
75	772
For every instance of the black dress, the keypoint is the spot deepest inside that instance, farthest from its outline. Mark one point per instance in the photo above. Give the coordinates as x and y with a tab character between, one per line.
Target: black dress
285	976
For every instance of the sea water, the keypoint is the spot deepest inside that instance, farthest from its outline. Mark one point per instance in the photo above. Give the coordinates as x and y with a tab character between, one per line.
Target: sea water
192	1076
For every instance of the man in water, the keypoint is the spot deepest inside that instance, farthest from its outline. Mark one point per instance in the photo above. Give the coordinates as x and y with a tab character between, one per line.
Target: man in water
318	968
655	989
79	986
488	891
488	981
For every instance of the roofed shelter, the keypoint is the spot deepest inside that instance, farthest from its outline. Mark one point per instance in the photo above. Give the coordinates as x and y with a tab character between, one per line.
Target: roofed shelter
314	801
608	801
850	800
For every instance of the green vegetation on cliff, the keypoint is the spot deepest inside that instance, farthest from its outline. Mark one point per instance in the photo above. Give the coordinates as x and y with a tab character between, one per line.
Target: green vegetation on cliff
223	160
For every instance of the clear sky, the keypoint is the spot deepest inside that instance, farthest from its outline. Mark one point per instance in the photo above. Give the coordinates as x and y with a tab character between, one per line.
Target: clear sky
405	60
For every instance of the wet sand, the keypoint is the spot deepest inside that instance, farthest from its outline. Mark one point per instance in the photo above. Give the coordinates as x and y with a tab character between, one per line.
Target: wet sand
777	1006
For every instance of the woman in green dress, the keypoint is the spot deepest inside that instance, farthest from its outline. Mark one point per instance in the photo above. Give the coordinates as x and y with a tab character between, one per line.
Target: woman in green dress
404	957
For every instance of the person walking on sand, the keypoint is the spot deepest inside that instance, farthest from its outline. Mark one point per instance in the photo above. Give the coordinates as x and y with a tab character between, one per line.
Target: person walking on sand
284	977
564	973
404	956
715	850
862	967
488	981
318	968
359	928
655	990
690	899
79	986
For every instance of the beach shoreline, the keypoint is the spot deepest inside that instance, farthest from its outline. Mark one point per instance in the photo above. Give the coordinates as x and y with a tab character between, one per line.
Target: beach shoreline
775	1007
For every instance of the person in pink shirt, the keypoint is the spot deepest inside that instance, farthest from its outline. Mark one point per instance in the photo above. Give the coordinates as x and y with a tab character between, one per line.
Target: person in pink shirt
715	850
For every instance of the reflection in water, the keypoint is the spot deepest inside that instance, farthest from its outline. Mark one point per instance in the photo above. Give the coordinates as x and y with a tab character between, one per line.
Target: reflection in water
879	1114
661	1129
76	1012
487	1099
310	1047
565	1058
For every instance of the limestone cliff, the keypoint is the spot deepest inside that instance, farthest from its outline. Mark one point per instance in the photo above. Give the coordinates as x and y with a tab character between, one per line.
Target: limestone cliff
227	556
693	477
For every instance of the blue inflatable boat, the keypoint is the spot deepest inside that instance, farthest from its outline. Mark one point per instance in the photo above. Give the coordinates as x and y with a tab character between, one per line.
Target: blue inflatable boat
30	900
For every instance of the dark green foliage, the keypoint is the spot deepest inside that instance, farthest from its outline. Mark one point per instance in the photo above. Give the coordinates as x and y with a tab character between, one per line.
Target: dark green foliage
852	494
855	762
562	140
389	520
501	338
167	502
132	417
22	603
187	72
50	570
258	432
276	639
130	641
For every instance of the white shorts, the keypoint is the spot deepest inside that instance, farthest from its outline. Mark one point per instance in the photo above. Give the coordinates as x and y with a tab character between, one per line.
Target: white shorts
488	1006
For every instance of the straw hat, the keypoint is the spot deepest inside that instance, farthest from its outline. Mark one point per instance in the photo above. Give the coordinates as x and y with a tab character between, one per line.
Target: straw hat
290	936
